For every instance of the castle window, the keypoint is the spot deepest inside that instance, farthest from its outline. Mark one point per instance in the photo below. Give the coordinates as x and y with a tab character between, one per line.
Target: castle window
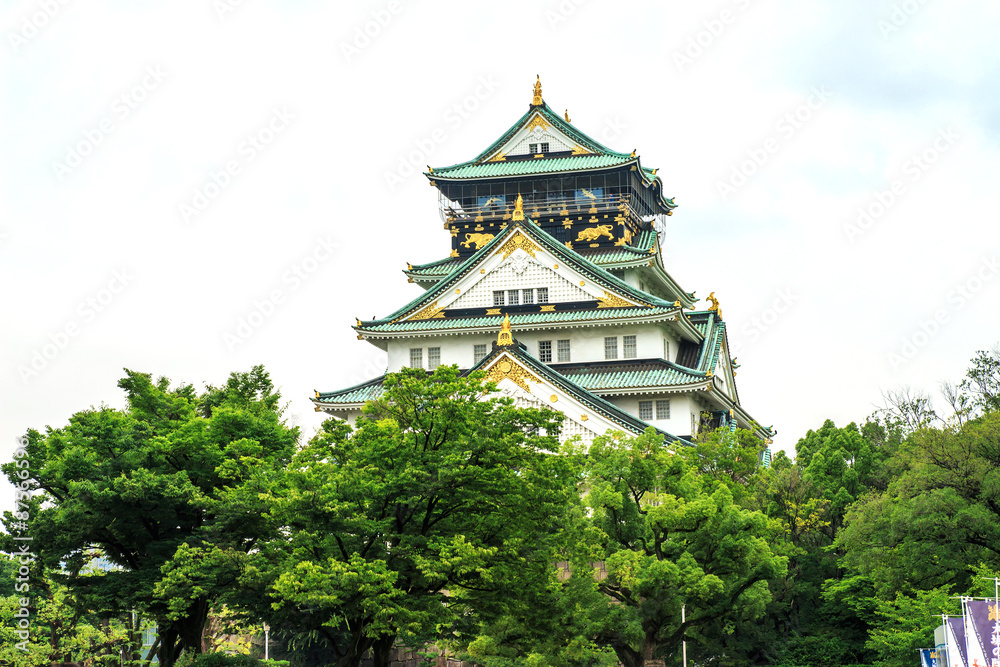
433	358
562	350
543	295
512	297
611	347
545	351
416	357
478	353
532	148
629	347
666	349
645	410
545	147
528	296
498	297
663	409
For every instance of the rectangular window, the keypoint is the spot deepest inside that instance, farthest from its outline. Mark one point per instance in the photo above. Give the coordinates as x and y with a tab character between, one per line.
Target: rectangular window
562	350
545	351
666	349
498	297
543	295
512	297
628	347
528	296
532	148
433	358
545	147
645	410
611	347
478	353
416	357
663	409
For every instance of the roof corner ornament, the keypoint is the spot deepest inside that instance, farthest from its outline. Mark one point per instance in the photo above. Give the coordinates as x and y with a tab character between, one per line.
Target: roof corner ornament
566	116
715	305
505	337
518	213
536	100
633	152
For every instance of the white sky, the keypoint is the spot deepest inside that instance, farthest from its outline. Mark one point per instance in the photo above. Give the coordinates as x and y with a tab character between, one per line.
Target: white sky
198	78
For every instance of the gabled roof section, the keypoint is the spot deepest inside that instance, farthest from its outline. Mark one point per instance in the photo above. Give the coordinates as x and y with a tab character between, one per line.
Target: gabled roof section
643	251
557	122
524	234
571	150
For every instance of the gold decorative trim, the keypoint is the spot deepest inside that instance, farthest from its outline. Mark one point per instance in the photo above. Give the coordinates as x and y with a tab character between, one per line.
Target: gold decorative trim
506	336
458	291
499	157
584	418
580	150
539	122
553	398
613	301
566	116
583	283
518	240
492	311
431	312
454	253
594	233
518	213
506	368
548	309
536	97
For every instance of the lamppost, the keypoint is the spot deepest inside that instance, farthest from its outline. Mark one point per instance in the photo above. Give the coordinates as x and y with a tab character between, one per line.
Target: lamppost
267	641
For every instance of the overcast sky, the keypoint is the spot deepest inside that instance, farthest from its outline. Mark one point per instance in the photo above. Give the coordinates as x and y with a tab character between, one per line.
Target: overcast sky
171	169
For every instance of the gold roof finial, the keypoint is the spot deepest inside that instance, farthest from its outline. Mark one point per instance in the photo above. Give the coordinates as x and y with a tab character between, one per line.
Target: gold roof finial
715	305
518	213
505	337
566	116
536	101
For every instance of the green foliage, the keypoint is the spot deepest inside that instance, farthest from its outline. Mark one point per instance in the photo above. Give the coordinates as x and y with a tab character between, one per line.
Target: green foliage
166	491
674	537
223	660
439	505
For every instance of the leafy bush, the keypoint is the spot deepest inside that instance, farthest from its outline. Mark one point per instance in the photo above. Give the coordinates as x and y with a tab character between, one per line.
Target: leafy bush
224	660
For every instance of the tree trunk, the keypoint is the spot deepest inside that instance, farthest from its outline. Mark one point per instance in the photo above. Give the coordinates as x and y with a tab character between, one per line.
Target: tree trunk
168	653
191	628
382	651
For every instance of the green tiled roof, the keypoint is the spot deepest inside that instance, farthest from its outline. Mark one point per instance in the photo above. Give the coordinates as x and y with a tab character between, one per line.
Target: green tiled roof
360	393
635	375
492	322
440	268
529	167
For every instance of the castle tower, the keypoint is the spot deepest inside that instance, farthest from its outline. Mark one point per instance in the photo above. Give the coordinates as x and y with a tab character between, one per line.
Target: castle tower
555	287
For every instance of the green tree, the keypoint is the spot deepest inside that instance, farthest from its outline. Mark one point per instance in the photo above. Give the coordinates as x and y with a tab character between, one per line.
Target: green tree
670	538
154	488
419	521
